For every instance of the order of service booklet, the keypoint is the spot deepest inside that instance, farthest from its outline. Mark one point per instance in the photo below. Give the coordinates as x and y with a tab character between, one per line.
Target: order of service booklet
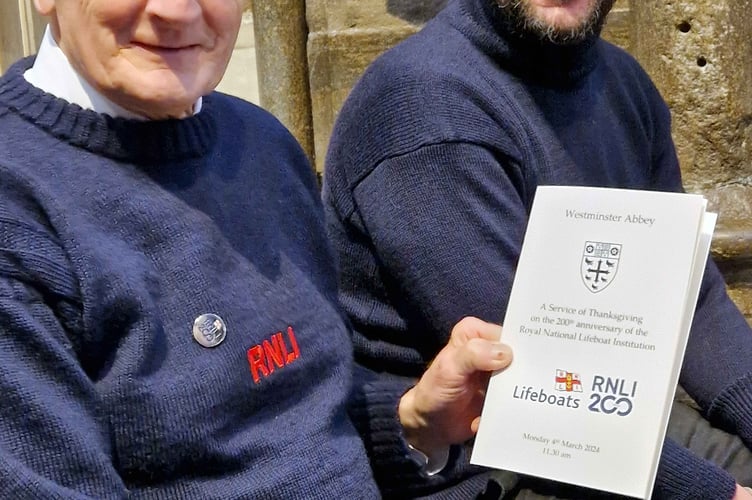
598	319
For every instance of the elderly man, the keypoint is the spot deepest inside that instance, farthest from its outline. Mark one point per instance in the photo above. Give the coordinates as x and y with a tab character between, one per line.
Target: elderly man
168	317
432	168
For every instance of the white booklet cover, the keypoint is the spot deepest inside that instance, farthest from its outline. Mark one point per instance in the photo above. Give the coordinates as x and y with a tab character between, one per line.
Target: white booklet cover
598	318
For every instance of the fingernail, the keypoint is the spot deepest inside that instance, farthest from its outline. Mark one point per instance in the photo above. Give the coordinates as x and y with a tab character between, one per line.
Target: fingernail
499	351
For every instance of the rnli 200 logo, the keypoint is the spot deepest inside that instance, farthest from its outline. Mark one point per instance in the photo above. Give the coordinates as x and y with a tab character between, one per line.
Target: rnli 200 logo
612	395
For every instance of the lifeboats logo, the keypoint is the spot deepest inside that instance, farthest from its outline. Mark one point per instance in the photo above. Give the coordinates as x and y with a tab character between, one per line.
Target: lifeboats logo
565	381
568	381
607	395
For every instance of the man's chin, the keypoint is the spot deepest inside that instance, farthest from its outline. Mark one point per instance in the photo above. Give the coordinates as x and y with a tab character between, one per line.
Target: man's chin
568	24
160	106
565	35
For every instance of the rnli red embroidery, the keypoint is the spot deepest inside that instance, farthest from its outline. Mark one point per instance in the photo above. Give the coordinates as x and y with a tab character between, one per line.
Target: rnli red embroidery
277	352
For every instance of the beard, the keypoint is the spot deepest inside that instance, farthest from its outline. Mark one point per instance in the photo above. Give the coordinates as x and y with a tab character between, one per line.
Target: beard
522	19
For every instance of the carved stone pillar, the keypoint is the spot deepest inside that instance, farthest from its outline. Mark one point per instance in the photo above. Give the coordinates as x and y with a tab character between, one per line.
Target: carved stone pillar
281	34
699	53
345	36
21	29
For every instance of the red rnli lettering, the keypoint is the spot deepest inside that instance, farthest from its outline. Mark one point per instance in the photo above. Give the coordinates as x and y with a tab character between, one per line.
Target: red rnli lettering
263	358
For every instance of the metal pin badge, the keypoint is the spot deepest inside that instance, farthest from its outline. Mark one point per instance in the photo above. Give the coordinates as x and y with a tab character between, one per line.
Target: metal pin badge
209	330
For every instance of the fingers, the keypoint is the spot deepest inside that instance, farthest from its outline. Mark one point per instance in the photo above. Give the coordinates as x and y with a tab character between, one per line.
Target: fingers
742	493
475	424
470	327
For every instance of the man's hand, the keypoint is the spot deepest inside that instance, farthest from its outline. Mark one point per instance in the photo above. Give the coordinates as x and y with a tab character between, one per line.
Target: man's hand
443	408
742	493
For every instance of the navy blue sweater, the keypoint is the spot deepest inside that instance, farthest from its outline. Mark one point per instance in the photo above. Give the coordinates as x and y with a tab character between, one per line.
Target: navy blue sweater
432	168
115	236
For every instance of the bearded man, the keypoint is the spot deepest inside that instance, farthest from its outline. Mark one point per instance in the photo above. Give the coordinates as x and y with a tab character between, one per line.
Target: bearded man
432	169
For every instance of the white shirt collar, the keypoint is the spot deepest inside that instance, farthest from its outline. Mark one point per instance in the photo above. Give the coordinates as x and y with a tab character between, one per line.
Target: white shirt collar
53	73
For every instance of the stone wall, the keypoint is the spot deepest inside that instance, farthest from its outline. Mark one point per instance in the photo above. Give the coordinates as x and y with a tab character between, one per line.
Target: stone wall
20	30
699	54
240	78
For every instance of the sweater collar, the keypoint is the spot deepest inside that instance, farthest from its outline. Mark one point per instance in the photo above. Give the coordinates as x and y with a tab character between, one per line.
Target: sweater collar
118	138
526	56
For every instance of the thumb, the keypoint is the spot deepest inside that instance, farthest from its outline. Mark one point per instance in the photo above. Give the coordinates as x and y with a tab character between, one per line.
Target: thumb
475	425
482	355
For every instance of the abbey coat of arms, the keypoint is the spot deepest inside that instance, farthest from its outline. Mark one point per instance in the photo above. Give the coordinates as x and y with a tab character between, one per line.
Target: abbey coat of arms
600	261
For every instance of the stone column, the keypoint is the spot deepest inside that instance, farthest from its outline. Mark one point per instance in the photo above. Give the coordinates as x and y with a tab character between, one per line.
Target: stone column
280	34
617	29
345	36
21	29
699	53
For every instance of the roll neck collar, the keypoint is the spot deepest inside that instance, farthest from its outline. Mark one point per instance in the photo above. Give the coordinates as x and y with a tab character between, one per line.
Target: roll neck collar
118	138
526	56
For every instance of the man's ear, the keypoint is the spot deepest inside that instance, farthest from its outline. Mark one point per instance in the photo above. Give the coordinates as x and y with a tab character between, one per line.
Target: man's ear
44	7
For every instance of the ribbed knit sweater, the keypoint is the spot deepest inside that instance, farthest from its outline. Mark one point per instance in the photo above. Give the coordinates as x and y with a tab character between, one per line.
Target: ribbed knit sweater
432	168
115	237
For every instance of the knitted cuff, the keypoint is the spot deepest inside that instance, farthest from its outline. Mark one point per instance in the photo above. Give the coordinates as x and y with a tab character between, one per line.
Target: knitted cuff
373	410
683	475
732	409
